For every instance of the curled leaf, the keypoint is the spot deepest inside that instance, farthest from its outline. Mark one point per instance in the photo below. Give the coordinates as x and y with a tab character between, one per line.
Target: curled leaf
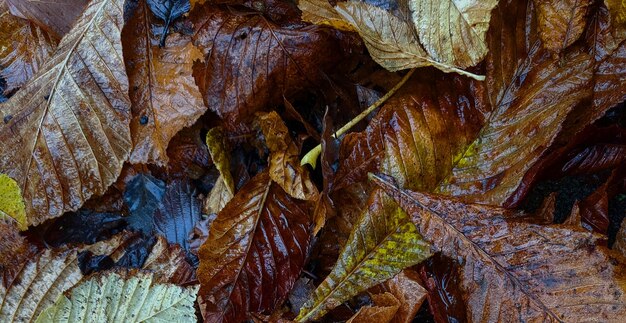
285	168
381	244
561	22
453	32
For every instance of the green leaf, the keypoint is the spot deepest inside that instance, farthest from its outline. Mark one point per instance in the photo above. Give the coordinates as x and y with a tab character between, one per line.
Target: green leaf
123	297
382	243
11	202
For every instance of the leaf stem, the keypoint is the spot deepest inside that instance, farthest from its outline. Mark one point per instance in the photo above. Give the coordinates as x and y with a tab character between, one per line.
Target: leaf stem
311	157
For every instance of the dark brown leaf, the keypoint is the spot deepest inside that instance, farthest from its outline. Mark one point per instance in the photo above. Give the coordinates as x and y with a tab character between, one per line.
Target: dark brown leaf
54	16
254	252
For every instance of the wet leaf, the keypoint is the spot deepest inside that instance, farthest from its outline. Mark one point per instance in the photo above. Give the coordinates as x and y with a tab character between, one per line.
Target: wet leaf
252	63
67	133
382	243
406	288
24	48
254	253
11	202
163	93
453	32
391	41
143	196
123	297
178	213
618	12
561	22
55	17
169	264
320	12
285	168
527	269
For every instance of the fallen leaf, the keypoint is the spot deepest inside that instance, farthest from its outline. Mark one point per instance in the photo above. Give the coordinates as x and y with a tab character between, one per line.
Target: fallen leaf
410	294
285	168
382	243
618	12
529	105
254	253
67	129
168	11
525	269
391	41
561	22
143	196
56	17
124	296
24	48
252	63
453	32
385	307
178	213
11	202
163	93
224	188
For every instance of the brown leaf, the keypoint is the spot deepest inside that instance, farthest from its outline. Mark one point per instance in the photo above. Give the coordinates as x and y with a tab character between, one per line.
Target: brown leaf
561	22
67	133
163	93
409	292
254	252
285	168
251	63
24	48
383	311
516	267
168	263
55	16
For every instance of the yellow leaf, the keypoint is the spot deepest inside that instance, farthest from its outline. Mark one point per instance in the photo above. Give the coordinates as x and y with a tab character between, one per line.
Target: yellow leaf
382	243
320	12
11	202
453	31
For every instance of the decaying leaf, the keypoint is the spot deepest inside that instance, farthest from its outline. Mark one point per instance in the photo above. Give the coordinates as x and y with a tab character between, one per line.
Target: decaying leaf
168	263
252	63
618	12
163	93
452	31
405	287
391	41
56	16
168	11
285	168
11	203
384	309
143	195
515	267
254	252
561	22
130	296
178	213
67	133
381	244
24	48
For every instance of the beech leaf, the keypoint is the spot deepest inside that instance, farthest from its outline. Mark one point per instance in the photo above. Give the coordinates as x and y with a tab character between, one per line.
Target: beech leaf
385	307
453	31
24	48
168	11
123	297
164	96
254	253
143	196
67	129
515	266
382	243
